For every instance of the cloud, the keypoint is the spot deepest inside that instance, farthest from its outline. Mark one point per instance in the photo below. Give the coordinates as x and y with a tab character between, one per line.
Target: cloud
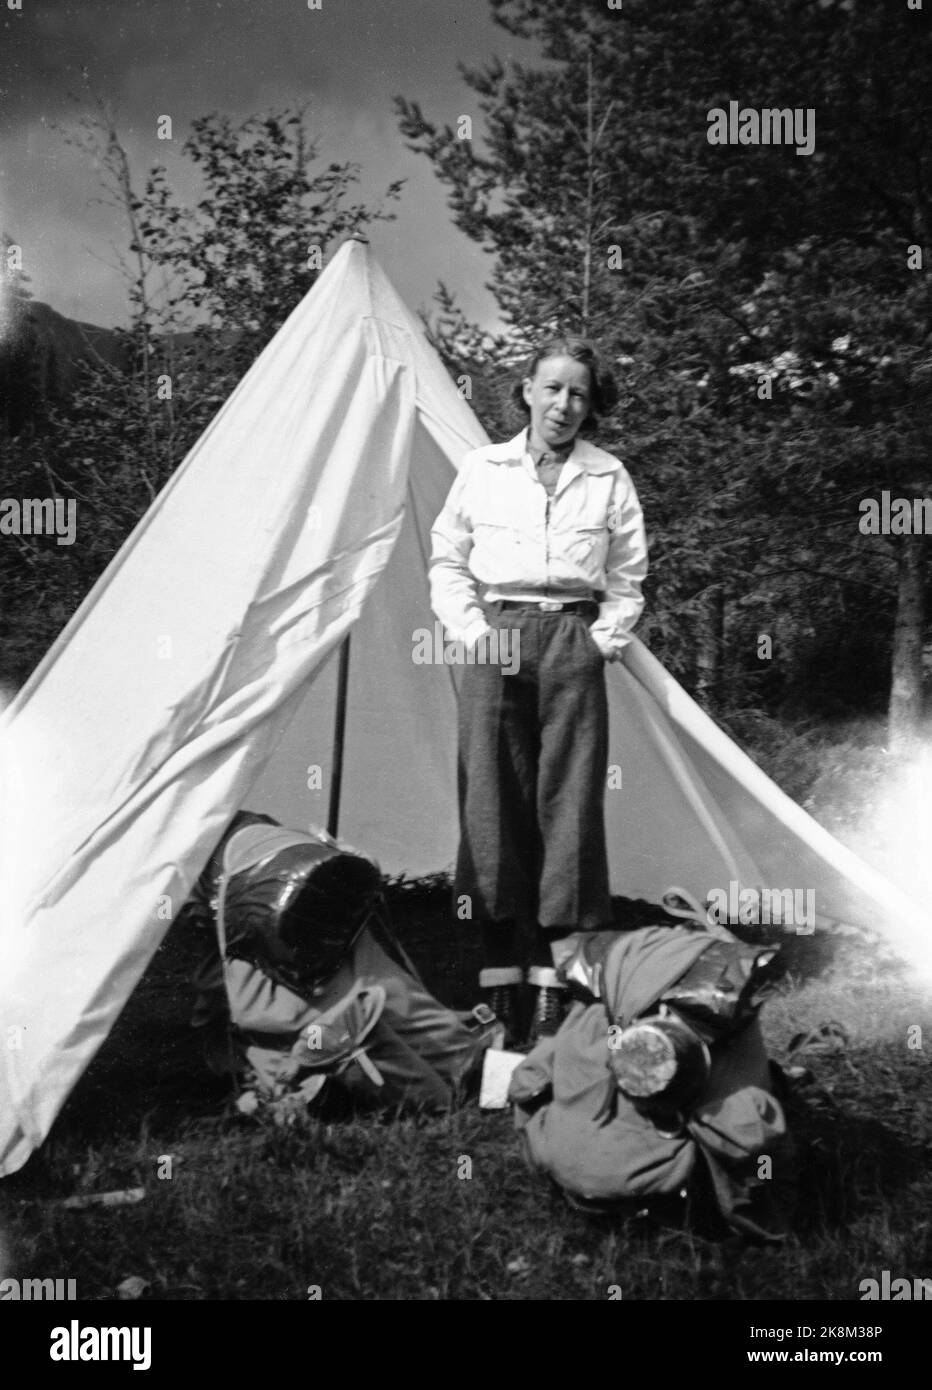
148	58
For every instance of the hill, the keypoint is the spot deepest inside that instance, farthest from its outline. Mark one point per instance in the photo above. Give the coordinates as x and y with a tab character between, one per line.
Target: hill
41	357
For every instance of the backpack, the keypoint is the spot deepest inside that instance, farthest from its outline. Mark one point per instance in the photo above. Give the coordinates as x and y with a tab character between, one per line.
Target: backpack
658	1082
317	993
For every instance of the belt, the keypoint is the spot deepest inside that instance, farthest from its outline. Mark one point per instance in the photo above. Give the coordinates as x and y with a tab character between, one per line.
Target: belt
547	605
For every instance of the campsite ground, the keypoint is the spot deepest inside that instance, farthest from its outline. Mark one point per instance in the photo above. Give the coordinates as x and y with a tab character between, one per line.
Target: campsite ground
375	1208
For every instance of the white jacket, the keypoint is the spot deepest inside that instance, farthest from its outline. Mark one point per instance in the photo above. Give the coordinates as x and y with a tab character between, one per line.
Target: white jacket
499	531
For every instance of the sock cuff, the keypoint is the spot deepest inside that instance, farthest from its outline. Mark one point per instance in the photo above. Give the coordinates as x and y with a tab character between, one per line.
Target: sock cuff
545	977
495	975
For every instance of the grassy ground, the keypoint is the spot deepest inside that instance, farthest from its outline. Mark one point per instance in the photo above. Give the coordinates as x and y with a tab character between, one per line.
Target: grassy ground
376	1208
373	1208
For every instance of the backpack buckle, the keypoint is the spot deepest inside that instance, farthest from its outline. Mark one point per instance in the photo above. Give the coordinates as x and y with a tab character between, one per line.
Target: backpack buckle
483	1015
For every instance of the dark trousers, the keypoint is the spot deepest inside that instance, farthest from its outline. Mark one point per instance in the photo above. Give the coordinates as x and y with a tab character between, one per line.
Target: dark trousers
533	754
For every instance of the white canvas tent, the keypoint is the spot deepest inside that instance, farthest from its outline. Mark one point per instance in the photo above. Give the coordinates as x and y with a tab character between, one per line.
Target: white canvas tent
196	678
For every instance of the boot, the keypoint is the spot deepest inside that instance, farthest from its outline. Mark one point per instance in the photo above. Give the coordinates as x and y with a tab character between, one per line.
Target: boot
549	995
502	985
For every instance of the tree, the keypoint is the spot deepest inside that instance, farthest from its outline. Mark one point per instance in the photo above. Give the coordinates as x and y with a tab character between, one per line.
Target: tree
207	287
762	314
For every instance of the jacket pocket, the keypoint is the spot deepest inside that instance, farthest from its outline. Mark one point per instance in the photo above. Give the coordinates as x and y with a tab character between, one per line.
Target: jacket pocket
497	546
587	547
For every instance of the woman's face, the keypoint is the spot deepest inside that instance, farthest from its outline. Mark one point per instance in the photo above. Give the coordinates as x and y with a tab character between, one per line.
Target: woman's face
558	395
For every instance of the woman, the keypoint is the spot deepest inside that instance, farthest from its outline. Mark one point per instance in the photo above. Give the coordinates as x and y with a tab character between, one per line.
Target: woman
540	539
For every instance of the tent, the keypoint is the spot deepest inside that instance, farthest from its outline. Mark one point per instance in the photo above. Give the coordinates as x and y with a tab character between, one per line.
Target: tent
199	676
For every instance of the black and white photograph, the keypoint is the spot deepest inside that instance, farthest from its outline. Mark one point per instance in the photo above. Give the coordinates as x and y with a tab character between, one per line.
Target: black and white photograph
465	667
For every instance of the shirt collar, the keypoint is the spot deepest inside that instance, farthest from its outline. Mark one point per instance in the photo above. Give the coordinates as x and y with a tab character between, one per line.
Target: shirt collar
551	455
583	458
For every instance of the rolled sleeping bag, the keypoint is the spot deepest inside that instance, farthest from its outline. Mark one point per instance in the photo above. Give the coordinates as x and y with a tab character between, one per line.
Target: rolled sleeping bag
660	1064
292	903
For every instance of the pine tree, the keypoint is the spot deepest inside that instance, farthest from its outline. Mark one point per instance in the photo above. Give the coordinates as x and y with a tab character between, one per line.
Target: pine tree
754	300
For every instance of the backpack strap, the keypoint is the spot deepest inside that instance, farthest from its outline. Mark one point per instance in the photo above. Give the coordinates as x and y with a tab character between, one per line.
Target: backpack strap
338	1036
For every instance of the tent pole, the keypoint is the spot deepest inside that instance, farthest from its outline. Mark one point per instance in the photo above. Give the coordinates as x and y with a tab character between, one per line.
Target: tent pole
339	729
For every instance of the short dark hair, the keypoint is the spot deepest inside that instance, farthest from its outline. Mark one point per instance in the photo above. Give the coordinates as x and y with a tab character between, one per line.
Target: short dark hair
603	393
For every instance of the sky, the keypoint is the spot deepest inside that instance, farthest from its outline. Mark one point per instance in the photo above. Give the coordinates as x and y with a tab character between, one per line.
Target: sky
185	58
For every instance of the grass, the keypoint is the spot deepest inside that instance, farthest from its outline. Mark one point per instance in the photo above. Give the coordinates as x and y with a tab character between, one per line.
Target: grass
376	1207
421	1207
